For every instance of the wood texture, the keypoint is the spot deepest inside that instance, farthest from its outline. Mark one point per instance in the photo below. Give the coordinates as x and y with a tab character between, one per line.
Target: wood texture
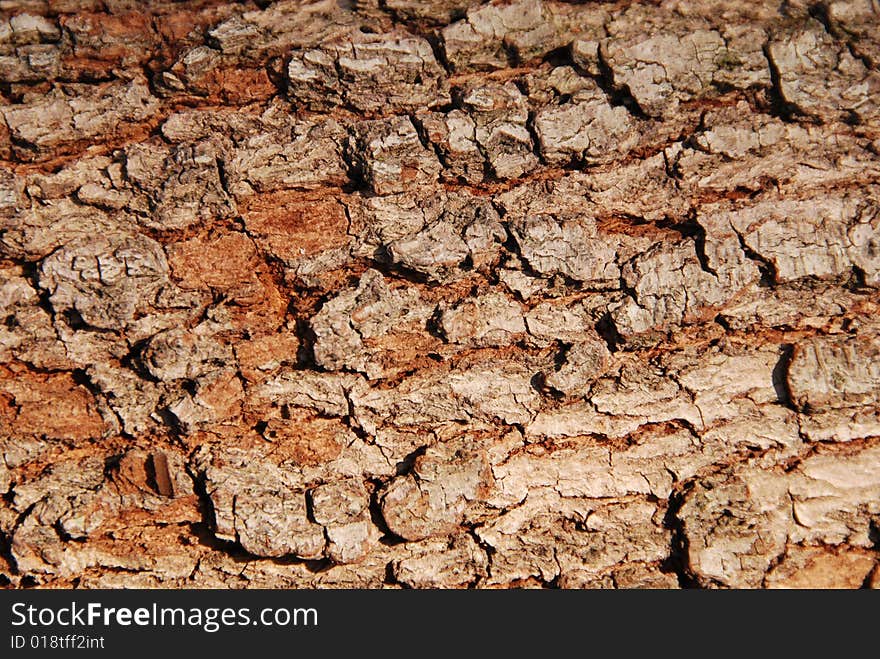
440	294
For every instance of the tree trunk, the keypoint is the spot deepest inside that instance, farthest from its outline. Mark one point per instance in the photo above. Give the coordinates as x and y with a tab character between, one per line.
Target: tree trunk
440	294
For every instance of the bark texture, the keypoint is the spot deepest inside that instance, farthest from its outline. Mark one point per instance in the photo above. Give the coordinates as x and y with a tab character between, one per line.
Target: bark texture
440	294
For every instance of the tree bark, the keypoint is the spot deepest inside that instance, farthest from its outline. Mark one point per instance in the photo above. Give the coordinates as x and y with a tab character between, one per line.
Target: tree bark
440	294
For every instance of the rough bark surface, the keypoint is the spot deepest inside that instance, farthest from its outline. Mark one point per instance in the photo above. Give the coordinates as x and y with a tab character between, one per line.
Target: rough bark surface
440	294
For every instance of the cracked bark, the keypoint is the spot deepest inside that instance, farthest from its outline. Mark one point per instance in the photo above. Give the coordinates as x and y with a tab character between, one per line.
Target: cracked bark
450	294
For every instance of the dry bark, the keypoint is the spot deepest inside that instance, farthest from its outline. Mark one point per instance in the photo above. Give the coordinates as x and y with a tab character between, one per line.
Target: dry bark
440	294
